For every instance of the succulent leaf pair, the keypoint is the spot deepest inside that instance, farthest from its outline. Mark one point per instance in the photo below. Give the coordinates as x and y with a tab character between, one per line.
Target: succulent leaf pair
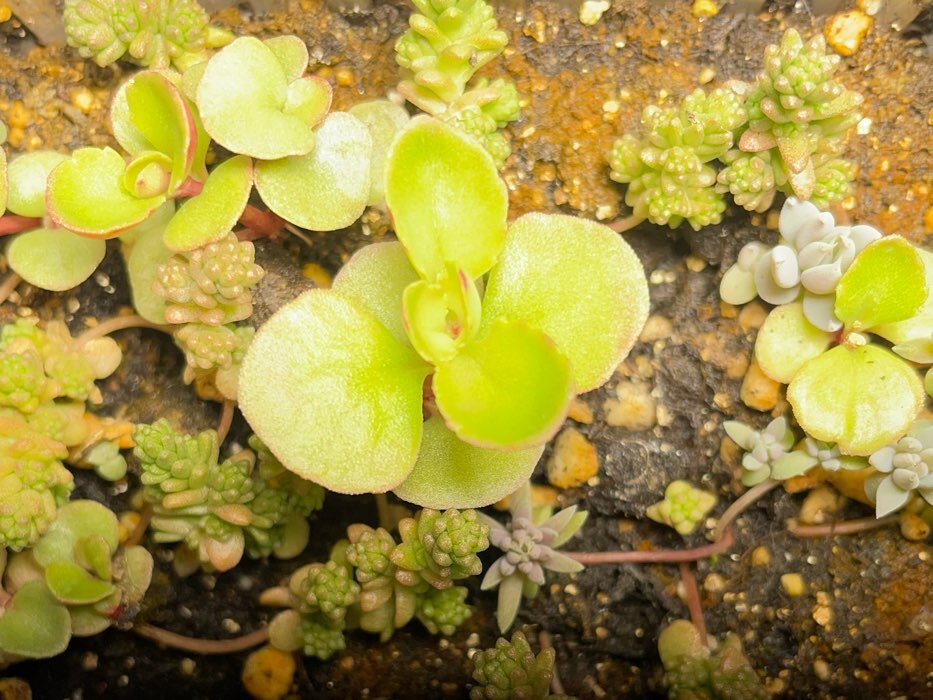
333	382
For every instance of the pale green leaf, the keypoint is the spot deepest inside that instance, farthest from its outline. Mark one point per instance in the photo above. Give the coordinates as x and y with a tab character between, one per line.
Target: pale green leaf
242	97
213	213
309	99
34	624
918	325
442	316
326	189
86	195
86	620
786	341
72	585
885	284
146	252
861	398
137	573
334	395
28	175
375	278
889	497
508	389
919	350
291	53
384	119
577	281
509	601
446	199
792	464
451	473
54	259
76	520
928	381
4	186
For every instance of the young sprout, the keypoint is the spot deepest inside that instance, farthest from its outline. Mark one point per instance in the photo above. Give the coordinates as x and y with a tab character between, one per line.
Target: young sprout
511	670
683	508
904	468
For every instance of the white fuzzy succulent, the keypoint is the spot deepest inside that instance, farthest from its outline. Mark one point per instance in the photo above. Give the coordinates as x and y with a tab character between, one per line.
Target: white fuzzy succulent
768	452
810	258
904	468
828	456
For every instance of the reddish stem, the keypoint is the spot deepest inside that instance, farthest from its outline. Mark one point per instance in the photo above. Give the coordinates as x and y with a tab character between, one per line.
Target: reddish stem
844	527
262	223
625	224
202	646
189	188
694	605
13	223
225	420
658	556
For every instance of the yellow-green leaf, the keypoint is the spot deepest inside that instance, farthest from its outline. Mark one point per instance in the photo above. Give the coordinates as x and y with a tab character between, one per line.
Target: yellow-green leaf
28	177
786	341
920	323
861	398
884	284
55	259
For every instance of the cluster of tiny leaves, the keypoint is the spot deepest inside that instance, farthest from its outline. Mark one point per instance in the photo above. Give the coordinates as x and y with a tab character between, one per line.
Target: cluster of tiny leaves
447	42
511	670
783	133
152	34
379	585
218	509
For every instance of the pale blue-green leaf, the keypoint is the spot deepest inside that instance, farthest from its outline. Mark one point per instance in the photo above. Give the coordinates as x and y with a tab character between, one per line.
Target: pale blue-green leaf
384	119
34	624
28	175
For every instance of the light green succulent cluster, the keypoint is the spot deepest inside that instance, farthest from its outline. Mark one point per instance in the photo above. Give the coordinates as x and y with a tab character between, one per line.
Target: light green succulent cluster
76	581
220	510
209	285
683	508
667	168
35	484
46	380
447	42
153	34
798	117
511	670
694	671
214	353
378	585
904	469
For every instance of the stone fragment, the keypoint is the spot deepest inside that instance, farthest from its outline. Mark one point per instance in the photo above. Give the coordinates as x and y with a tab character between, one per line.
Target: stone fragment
580	411
793	584
845	31
574	460
759	391
634	408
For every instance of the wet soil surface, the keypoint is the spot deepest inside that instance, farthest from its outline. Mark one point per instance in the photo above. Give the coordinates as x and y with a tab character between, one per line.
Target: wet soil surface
863	628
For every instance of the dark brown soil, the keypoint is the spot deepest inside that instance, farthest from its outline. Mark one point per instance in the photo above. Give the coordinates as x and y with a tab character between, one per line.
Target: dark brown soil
864	626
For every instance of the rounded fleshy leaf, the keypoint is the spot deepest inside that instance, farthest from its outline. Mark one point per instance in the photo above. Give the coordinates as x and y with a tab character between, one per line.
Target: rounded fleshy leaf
34	624
326	189
446	198
577	281
86	620
885	284
137	573
861	398
146	252
375	278
442	316
243	101
4	187
291	53
786	341
451	473
72	585
738	286
919	350
28	175
920	323
213	213
54	259
334	395
508	389
309	99
76	520
384	119
86	195
792	464
928	381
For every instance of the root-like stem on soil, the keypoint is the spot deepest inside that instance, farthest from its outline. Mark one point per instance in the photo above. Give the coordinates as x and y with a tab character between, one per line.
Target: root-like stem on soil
202	646
842	527
658	556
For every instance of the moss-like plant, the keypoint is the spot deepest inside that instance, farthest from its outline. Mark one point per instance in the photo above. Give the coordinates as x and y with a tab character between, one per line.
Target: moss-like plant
530	542
220	510
447	42
512	670
845	389
152	34
904	468
503	364
683	508
697	671
373	583
76	580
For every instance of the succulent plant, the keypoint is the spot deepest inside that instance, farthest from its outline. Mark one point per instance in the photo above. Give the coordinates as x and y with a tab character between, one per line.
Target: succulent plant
327	588
811	257
76	580
154	34
214	353
530	542
768	452
667	169
683	508
511	670
447	42
35	483
440	547
220	510
442	611
209	285
904	468
829	457
799	113
694	671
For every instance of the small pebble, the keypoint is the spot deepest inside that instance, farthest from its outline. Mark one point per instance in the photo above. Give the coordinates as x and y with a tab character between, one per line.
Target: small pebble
706	75
752	316
656	328
819	506
913	527
580	411
573	461
793	584
592	11
845	31
187	666
695	264
761	556
822	670
268	673
635	408
759	391
705	8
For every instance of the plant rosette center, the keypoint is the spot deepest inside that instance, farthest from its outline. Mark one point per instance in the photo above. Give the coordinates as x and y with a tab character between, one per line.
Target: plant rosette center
506	323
